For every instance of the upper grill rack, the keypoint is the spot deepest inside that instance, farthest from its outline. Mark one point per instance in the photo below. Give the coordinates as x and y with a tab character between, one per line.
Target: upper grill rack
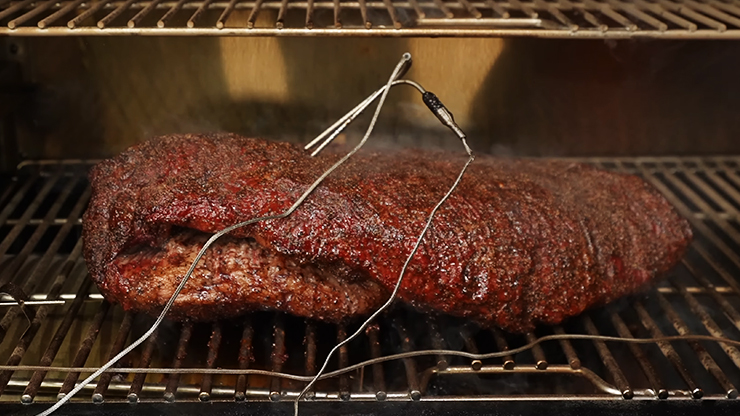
40	251
674	19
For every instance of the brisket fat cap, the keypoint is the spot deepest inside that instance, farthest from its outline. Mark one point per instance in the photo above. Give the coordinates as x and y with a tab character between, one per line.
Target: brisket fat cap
519	242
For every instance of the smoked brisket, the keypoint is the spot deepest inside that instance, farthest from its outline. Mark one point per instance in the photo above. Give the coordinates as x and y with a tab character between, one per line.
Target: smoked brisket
520	242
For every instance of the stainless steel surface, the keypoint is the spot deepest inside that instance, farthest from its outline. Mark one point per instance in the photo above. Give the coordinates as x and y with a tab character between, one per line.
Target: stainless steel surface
613	19
206	362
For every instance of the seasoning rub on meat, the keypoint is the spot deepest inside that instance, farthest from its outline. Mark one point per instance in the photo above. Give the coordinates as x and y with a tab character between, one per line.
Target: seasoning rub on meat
519	242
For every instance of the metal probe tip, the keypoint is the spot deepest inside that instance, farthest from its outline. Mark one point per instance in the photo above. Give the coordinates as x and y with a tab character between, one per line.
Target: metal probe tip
407	62
444	115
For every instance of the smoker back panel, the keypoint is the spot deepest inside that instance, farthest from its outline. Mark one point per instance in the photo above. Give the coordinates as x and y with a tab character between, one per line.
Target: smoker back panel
93	97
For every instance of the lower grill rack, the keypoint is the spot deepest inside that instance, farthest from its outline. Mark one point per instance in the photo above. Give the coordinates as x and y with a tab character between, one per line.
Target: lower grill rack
66	329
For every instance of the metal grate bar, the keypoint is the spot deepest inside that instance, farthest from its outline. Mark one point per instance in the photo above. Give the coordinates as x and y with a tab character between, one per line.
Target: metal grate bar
704	357
693	15
557	13
711	11
277	356
245	357
59	14
709	323
194	18
508	360
221	22
540	362
640	356
409	364
608	359
707	189
213	345
122	335
698	225
182	351
8	192
438	343
417	9
56	342
53	292
31	14
612	14
516	4
142	13
363	13
30	210
309	14
471	9
115	13
726	188
15	8
42	266
393	14
378	376
344	387
634	11
253	14
171	12
660	11
92	10
337	20
497	9
730	311
570	354
84	351
28	336
704	206
727	7
470	346
668	351
588	16
733	177
443	7
310	354
281	14
146	360
33	240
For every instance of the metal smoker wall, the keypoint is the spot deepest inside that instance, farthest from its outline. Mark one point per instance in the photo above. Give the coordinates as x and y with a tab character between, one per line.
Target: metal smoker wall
92	97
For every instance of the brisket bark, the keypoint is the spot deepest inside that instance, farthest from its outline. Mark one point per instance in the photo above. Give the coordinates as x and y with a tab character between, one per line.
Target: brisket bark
520	242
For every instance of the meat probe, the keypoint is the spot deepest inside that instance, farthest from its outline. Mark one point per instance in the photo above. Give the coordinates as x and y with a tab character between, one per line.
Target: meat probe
400	69
444	116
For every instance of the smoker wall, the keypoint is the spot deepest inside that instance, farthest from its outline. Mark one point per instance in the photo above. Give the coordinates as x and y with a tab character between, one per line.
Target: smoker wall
93	97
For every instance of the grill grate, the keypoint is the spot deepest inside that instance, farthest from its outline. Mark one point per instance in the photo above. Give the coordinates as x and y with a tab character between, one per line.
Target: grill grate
675	19
74	327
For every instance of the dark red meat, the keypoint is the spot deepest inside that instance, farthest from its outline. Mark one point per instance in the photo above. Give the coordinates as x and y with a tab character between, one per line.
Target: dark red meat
235	276
518	243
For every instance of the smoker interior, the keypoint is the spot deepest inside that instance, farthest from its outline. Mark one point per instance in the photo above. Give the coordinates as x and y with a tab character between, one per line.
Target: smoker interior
67	99
41	253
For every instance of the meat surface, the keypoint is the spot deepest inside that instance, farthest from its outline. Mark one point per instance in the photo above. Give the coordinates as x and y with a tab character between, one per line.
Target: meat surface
520	242
236	276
